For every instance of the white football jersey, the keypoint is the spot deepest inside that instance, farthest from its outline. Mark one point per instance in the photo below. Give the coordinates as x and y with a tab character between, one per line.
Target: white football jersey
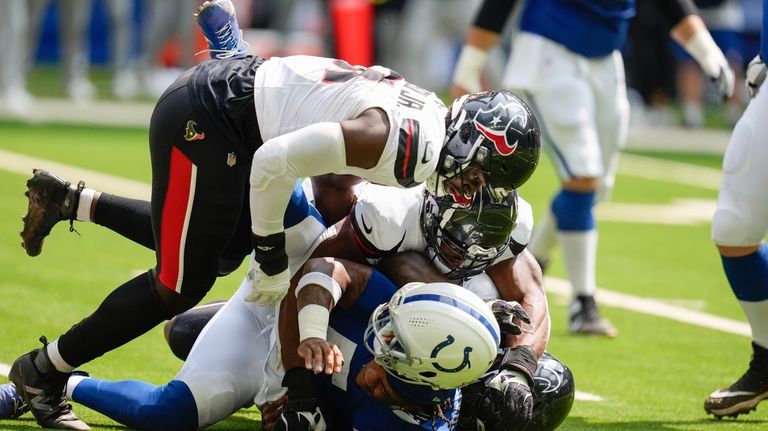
387	220
293	92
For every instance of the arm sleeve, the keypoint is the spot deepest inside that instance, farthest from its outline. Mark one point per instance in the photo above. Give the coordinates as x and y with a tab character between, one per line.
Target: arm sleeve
675	10
493	14
313	150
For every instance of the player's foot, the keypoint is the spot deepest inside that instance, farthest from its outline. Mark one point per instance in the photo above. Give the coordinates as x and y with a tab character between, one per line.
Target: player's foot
744	395
11	403
42	386
218	22
585	318
50	199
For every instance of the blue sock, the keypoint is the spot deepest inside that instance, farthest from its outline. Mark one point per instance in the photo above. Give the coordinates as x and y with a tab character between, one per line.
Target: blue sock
748	275
573	211
140	404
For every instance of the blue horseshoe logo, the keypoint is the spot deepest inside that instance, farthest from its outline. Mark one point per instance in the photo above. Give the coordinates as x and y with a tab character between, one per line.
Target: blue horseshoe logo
464	363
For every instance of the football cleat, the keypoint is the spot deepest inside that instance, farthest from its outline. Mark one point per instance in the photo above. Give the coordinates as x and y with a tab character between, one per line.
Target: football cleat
584	318
11	403
50	199
42	387
744	395
218	22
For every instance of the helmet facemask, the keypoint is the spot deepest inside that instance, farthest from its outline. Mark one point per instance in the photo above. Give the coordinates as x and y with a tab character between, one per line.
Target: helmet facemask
464	240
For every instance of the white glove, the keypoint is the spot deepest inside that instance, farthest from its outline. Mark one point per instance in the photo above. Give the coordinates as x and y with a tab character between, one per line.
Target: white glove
267	289
712	61
756	71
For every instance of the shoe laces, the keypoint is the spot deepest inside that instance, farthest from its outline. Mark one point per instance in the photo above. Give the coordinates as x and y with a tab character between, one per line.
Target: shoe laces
225	36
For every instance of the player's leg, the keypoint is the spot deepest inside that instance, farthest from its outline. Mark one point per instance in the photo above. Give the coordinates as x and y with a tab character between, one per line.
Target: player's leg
566	107
189	246
738	227
223	373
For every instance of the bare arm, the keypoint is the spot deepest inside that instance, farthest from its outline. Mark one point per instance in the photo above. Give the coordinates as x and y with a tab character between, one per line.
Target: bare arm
303	345
520	280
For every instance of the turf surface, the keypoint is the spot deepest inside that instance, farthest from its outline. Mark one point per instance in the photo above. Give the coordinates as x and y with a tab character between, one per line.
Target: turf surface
654	376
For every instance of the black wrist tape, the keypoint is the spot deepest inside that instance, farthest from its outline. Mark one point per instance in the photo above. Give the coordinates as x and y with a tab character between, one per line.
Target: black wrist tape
269	252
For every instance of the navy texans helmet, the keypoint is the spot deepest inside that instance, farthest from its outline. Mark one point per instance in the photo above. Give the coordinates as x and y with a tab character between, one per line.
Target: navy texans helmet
462	240
553	393
498	131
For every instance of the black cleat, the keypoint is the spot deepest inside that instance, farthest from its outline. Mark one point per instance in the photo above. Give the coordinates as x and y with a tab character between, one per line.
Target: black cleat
42	388
744	395
584	318
50	199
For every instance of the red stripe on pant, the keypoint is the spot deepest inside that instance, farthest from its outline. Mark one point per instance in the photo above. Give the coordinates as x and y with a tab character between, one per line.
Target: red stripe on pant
174	219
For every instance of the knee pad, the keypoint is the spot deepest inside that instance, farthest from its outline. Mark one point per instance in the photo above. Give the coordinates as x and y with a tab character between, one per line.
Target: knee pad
573	211
730	228
553	393
182	331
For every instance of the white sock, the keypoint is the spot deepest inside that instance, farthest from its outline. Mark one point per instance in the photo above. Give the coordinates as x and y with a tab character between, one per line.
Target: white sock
84	205
72	383
58	362
757	316
579	255
543	238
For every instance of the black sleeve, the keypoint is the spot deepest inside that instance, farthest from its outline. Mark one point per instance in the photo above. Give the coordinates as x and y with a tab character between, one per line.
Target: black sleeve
675	10
493	14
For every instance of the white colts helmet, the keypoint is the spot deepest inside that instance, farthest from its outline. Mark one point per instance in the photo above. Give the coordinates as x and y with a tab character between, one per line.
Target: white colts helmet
435	334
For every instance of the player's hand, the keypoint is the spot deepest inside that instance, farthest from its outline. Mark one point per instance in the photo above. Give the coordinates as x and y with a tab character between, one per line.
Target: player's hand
321	356
270	411
501	401
509	315
724	79
301	411
301	421
756	72
267	289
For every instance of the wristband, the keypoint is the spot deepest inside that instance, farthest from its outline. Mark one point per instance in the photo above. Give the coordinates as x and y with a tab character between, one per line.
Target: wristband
468	68
323	280
313	322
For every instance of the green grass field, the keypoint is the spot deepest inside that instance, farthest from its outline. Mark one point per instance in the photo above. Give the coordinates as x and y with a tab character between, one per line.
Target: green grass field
654	376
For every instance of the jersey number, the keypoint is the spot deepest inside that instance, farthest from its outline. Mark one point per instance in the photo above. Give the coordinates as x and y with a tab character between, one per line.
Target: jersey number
347	72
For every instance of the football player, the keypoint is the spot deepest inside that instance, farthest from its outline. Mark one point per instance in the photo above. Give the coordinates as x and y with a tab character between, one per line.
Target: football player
566	61
738	228
228	139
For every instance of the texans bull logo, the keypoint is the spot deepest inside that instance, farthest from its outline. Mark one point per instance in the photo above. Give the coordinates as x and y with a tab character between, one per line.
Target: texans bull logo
493	124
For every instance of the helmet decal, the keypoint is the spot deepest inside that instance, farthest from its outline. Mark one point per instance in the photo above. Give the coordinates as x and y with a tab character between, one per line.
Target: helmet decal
499	119
464	363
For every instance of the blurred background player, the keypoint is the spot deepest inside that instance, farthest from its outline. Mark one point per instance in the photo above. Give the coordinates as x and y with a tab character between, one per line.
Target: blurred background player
565	60
725	20
738	227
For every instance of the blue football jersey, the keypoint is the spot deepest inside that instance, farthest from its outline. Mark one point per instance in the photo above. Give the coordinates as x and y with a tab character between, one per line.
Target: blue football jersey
592	28
356	409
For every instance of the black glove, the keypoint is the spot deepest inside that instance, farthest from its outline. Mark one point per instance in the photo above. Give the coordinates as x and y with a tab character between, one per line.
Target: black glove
301	411
506	312
502	400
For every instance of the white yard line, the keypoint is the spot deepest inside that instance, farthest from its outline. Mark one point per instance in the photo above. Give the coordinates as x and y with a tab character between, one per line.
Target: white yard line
673	172
23	165
638	304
